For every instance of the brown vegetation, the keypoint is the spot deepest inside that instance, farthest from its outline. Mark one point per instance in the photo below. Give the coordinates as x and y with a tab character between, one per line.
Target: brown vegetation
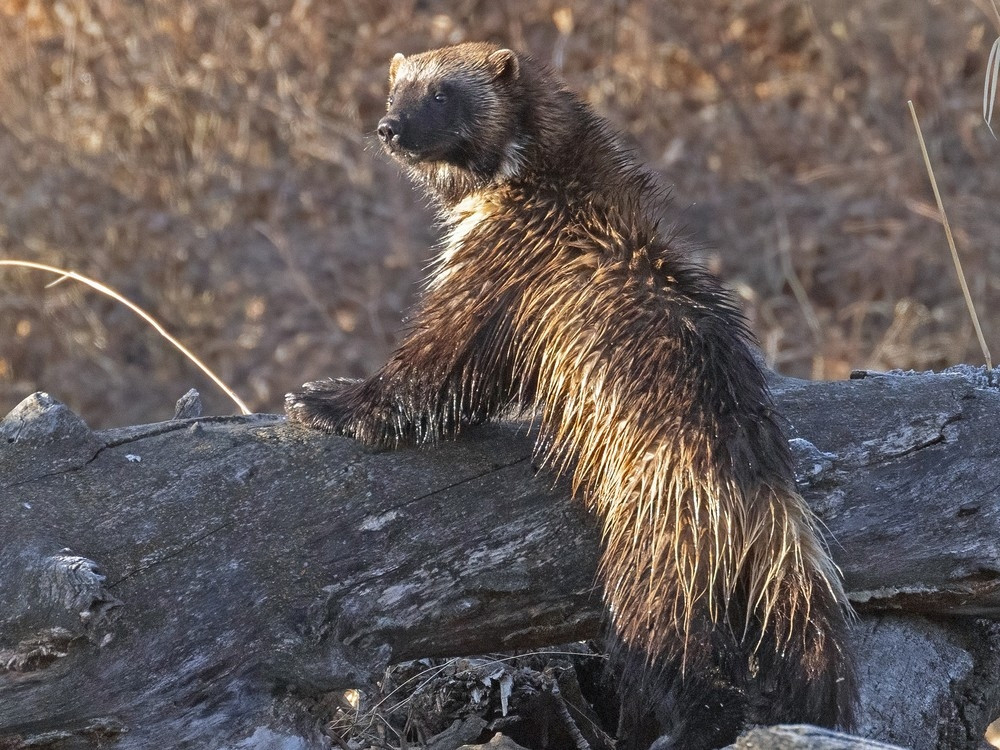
211	160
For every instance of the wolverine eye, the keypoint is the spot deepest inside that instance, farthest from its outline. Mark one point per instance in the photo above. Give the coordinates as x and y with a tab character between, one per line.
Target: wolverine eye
390	100
439	96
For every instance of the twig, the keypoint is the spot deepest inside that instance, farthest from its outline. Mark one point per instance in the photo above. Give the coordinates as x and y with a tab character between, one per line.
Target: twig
63	274
951	240
574	731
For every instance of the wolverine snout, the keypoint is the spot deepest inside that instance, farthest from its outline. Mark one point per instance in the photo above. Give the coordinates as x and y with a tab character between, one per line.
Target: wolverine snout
388	130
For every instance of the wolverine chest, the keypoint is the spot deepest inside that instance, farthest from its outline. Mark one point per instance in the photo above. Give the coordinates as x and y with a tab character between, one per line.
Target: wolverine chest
510	238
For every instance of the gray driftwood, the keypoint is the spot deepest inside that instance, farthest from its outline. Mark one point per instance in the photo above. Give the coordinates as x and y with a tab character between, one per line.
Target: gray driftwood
200	583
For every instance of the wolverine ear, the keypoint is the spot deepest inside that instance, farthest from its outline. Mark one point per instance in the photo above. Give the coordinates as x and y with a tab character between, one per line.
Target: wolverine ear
397	60
504	64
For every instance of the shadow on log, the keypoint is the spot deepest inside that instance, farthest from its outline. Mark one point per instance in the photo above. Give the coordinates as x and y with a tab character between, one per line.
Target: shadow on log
199	583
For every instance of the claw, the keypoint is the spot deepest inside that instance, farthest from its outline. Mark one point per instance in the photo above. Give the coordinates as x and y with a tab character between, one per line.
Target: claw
320	404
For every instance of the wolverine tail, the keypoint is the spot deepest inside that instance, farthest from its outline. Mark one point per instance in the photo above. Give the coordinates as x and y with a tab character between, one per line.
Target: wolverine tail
743	620
807	675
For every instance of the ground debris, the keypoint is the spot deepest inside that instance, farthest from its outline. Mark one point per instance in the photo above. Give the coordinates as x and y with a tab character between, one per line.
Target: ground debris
535	700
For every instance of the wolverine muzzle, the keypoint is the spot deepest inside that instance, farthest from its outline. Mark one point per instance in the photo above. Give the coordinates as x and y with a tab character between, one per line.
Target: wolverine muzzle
388	131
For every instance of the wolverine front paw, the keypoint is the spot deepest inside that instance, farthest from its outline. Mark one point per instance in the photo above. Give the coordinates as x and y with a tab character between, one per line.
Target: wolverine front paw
321	404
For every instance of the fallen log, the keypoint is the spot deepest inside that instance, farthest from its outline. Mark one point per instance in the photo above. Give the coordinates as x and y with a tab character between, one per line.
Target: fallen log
199	583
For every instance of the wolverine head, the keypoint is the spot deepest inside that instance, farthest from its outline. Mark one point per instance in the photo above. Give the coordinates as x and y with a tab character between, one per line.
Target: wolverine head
454	115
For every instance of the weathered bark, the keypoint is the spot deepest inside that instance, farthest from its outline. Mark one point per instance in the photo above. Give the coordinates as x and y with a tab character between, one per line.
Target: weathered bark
905	471
196	584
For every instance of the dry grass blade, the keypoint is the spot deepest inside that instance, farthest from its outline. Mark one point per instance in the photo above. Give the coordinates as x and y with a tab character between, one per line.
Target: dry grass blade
63	274
951	240
990	87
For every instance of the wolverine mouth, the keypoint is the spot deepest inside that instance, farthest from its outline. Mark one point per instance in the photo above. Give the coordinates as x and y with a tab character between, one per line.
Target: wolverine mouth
400	152
410	154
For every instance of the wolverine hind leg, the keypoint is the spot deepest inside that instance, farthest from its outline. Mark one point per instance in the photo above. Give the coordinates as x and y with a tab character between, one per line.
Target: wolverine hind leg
677	702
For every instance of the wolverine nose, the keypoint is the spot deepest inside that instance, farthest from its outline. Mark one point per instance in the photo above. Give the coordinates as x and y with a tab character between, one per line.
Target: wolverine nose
388	129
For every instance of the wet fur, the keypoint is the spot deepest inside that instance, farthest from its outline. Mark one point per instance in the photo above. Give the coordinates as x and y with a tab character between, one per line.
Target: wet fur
556	289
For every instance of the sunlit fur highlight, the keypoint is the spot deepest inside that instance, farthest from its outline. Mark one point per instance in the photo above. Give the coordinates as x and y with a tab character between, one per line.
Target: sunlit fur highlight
555	289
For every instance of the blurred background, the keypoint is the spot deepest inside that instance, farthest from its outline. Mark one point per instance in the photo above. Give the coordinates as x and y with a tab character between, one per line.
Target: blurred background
213	161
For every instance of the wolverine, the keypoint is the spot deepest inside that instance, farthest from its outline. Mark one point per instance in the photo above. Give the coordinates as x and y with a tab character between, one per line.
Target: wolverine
556	291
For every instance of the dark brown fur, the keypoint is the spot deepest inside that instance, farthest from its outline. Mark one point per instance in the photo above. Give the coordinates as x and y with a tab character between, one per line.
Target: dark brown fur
556	289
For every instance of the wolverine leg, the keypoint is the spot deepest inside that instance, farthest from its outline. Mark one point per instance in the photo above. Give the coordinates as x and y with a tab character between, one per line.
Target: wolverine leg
667	706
